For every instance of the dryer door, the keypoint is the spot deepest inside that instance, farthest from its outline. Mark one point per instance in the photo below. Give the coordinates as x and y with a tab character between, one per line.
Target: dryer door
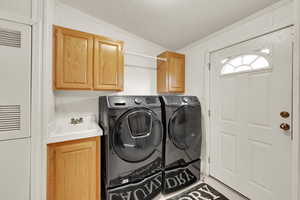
185	131
137	135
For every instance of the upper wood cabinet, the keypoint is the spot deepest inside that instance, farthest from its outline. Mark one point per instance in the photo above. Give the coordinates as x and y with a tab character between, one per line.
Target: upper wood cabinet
74	59
108	64
74	170
85	61
171	73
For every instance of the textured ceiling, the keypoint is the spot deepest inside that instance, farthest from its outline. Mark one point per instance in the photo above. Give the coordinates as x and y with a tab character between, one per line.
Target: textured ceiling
172	24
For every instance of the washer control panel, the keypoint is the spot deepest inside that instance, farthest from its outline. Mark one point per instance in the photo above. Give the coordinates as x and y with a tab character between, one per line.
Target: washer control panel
132	101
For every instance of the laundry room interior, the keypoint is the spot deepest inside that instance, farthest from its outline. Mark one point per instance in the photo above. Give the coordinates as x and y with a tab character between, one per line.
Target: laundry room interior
149	100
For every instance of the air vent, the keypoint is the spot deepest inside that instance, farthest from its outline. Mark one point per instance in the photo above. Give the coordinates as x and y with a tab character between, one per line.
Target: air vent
10	38
10	118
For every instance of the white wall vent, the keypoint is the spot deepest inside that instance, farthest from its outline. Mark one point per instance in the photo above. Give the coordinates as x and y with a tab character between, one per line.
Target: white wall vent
10	38
10	118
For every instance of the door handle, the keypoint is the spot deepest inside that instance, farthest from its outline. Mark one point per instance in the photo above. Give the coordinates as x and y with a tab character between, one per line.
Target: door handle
284	114
285	126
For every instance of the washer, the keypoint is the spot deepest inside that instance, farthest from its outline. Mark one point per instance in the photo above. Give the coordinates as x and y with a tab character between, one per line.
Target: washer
183	138
131	146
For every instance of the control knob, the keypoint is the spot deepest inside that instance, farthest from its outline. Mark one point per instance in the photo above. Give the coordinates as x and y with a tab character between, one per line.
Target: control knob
138	100
185	99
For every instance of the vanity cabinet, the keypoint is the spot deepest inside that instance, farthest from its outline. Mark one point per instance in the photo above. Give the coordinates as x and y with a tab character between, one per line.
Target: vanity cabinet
171	73
74	170
85	61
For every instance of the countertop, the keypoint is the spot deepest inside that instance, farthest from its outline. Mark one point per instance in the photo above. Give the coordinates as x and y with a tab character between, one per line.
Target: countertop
61	129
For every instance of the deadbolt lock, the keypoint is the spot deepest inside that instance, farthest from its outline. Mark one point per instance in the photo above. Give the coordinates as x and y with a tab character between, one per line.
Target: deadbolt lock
285	126
284	114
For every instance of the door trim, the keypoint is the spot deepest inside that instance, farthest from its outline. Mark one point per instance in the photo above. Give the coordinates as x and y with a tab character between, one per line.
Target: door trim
295	108
252	38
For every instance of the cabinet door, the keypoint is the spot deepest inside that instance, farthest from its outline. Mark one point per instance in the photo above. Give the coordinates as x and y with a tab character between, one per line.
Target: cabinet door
161	74
176	65
73	170
15	81
108	64
74	59
15	169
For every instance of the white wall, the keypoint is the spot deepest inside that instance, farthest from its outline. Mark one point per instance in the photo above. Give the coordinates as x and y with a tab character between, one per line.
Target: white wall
140	73
25	11
21	8
269	19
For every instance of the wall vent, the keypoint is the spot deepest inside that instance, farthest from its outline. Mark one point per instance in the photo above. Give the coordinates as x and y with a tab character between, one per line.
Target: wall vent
10	38
10	118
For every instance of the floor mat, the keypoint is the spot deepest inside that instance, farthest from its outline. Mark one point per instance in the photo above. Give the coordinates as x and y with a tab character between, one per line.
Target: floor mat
200	192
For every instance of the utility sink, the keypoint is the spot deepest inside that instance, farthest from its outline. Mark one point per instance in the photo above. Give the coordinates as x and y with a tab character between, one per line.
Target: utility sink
74	126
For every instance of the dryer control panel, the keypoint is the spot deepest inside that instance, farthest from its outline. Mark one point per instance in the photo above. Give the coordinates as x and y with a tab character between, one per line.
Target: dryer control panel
181	100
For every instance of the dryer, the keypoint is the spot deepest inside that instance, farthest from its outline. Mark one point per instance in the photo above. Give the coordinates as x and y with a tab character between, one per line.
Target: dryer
183	138
131	146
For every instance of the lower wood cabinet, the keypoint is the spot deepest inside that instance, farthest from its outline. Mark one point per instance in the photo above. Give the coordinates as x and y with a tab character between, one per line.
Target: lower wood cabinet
74	170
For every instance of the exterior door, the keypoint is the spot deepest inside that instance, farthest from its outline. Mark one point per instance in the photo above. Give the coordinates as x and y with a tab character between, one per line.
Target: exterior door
108	64
251	92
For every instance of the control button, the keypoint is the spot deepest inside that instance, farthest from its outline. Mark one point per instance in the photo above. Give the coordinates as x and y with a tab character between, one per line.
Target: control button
138	100
185	99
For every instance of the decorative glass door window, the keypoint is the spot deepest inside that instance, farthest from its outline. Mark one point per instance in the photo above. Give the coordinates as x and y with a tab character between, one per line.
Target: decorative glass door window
246	63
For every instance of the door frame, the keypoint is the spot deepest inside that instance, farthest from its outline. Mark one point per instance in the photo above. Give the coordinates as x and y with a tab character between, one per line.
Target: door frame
295	107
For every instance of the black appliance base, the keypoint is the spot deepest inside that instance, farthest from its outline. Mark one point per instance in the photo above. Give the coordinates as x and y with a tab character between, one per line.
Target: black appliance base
147	189
180	178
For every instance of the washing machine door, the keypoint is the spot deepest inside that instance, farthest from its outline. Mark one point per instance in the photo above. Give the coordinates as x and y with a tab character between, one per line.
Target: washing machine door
137	135
185	131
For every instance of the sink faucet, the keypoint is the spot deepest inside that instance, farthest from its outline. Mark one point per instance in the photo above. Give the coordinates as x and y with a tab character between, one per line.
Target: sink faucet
75	121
